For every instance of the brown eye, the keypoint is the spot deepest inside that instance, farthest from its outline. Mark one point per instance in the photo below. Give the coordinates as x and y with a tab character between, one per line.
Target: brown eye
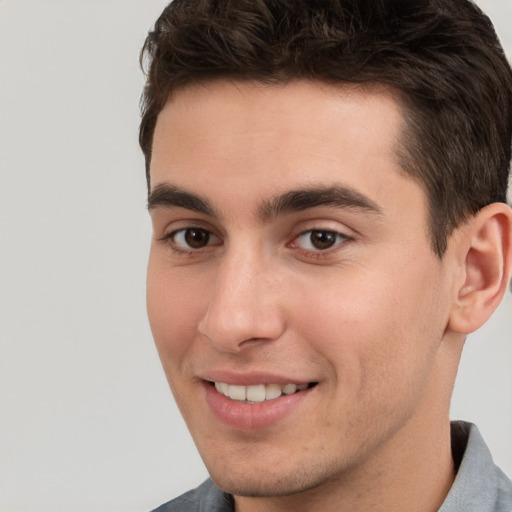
323	239
193	239
196	238
319	239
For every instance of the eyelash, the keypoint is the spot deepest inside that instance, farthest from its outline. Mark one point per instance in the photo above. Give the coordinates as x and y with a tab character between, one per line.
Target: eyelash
170	239
184	248
339	239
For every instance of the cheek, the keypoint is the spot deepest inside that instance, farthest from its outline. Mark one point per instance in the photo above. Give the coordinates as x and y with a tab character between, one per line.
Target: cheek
373	326
173	305
174	308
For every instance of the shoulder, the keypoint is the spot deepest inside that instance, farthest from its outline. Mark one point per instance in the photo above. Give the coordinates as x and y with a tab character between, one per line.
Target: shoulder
205	498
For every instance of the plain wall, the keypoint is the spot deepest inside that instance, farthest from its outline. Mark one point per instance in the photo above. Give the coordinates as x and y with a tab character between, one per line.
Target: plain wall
87	423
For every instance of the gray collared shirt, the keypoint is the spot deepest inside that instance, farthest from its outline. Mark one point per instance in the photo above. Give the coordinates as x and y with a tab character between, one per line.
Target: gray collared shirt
480	486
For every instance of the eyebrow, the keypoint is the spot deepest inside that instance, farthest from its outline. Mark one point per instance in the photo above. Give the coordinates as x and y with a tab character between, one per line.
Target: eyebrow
339	196
166	195
169	196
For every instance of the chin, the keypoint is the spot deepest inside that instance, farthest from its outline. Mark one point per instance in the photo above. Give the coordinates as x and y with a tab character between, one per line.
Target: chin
266	484
259	488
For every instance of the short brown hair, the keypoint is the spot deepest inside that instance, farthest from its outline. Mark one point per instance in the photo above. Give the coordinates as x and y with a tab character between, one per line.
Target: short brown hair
443	56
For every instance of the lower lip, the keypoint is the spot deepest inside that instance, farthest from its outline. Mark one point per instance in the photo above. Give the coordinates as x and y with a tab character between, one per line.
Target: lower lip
246	416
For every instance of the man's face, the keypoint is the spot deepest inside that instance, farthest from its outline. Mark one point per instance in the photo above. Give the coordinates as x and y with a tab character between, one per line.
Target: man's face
291	252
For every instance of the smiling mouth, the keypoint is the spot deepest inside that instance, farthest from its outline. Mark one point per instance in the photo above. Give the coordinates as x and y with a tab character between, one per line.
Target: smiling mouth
260	392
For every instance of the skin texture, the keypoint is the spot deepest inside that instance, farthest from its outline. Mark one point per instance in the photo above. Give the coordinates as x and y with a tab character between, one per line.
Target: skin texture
370	319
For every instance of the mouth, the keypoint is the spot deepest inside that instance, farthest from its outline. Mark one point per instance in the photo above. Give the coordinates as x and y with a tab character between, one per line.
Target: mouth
259	393
256	404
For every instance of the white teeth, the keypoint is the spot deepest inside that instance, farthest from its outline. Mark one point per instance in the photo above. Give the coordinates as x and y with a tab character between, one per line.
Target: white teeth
289	389
258	393
236	392
255	393
272	391
222	387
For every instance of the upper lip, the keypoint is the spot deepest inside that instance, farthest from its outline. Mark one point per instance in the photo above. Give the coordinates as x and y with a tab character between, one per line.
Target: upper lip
250	378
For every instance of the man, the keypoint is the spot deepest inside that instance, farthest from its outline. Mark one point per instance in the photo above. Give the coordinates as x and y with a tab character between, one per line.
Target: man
327	185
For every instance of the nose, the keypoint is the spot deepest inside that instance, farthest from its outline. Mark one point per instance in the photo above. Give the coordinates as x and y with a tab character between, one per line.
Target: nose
243	306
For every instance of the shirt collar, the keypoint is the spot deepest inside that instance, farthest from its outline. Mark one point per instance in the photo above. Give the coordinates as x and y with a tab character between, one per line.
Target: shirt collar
480	485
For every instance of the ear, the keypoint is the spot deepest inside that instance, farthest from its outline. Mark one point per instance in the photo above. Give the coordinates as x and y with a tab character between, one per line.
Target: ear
485	254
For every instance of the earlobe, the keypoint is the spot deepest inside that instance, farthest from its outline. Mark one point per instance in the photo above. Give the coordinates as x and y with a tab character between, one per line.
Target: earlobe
486	259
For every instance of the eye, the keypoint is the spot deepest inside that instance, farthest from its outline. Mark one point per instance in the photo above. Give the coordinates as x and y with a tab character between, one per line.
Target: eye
319	239
192	238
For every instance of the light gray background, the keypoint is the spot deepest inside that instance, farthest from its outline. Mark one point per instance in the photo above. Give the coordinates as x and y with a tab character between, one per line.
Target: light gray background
86	420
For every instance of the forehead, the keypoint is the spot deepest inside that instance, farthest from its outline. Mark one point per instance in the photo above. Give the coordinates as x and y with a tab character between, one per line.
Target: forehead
259	140
212	110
